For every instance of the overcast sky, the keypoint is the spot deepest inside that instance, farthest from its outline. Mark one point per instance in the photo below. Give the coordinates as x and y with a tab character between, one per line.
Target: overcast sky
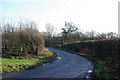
97	15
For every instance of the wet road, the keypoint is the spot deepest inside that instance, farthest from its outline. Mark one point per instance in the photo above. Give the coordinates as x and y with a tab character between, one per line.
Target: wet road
65	66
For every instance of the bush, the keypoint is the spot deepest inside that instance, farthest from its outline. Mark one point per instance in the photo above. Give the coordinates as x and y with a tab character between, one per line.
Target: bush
18	40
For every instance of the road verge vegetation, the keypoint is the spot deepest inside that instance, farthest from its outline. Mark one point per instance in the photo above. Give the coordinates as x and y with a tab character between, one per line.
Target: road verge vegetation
26	62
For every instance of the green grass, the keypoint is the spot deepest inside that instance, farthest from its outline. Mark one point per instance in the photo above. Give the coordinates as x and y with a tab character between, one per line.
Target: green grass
12	65
20	63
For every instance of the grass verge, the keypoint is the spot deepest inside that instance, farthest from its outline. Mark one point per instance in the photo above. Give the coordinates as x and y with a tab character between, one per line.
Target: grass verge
21	63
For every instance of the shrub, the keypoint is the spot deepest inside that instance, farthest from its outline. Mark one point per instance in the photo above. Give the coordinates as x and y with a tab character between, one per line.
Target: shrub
21	38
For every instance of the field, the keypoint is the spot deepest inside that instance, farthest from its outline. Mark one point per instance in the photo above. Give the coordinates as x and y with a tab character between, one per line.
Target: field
18	63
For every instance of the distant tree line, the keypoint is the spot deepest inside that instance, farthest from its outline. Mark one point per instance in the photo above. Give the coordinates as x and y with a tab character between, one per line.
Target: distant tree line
21	38
70	33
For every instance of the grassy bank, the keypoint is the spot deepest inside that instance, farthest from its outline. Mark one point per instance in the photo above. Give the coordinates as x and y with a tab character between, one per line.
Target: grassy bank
20	63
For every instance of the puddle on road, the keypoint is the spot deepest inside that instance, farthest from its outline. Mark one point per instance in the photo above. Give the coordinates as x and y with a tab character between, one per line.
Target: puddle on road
58	57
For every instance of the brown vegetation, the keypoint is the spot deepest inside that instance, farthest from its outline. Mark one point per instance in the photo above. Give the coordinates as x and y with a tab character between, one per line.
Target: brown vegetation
18	40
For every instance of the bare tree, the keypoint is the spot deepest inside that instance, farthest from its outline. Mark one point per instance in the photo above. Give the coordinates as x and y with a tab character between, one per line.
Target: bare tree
50	29
112	35
22	36
69	28
50	33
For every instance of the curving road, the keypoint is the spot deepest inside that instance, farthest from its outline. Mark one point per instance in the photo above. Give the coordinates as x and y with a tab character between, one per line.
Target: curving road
65	66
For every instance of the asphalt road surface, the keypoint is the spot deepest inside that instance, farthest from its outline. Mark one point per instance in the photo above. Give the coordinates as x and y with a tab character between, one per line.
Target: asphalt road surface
66	65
